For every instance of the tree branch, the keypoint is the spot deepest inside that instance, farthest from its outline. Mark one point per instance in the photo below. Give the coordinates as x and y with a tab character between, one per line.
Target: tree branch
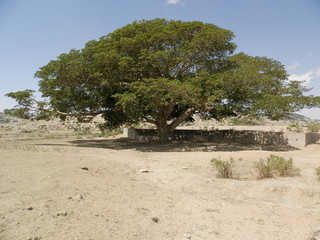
175	123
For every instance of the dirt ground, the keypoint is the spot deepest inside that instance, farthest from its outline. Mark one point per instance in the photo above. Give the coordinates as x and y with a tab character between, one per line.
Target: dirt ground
114	188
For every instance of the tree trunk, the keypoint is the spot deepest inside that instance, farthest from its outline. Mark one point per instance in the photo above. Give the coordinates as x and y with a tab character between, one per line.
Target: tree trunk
164	129
164	135
164	132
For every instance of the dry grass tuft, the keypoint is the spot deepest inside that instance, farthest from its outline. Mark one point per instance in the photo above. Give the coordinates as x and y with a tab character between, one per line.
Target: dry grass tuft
276	166
317	171
224	168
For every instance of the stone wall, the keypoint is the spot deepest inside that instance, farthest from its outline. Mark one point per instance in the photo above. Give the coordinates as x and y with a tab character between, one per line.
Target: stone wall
298	139
312	137
231	136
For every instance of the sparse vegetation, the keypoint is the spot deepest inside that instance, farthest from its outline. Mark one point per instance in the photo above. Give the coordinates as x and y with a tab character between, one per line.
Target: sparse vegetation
55	136
109	133
314	127
294	127
317	170
244	121
84	131
275	166
26	131
224	168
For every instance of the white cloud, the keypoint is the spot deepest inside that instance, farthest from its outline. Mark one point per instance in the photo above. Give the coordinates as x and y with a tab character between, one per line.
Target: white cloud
173	1
307	77
293	66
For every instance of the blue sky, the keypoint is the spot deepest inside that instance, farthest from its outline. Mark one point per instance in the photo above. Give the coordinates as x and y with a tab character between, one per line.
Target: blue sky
33	32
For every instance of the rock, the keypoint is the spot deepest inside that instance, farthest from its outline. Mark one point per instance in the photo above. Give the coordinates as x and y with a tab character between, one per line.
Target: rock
144	170
85	168
187	235
78	197
155	219
184	168
212	210
29	208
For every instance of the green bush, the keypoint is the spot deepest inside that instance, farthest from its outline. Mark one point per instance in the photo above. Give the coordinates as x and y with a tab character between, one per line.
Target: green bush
318	172
224	168
294	127
275	166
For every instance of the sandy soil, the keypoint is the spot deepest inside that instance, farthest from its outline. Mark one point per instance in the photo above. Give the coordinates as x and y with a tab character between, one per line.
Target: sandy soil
114	188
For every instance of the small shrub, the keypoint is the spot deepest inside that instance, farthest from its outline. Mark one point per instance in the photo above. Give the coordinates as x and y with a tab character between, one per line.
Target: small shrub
295	127
317	170
224	168
275	166
264	169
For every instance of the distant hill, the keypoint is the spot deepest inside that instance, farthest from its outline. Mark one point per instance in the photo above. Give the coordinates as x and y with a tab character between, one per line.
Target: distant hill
4	118
298	118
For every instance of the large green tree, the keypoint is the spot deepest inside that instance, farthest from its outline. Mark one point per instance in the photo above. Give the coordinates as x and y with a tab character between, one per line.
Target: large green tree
162	72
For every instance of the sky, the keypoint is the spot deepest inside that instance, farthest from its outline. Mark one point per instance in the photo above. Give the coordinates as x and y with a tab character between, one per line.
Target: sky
33	32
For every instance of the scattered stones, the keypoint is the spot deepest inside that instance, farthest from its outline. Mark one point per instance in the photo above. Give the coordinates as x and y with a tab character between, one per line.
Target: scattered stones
155	219
62	214
76	197
35	238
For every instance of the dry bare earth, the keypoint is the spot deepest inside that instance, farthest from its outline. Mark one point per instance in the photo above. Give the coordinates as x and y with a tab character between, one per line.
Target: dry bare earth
119	189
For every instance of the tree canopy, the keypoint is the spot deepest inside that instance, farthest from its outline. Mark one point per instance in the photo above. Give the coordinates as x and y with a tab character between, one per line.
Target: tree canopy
163	72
